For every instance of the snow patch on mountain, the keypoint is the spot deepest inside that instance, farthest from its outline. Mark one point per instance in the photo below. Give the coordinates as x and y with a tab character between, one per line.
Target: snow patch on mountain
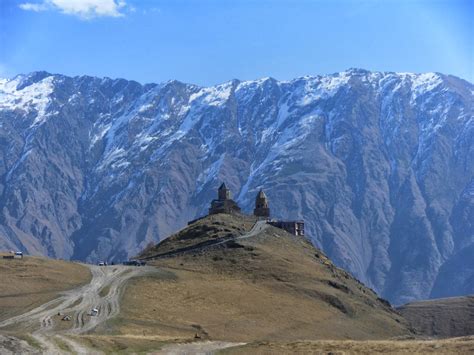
317	88
32	97
424	83
351	153
213	96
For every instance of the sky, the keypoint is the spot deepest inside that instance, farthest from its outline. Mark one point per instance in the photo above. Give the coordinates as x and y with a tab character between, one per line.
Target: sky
207	42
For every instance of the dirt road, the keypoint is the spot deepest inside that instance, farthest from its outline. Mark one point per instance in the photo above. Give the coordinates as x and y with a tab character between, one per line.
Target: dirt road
102	293
257	228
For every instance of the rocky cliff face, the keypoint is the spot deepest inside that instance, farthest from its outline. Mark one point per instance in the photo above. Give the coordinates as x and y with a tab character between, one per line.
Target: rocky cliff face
380	165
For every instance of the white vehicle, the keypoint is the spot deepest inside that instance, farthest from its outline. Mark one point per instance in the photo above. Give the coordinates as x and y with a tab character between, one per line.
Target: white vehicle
94	312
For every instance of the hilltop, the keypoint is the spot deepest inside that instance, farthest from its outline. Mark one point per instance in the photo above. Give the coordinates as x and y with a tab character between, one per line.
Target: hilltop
232	278
205	231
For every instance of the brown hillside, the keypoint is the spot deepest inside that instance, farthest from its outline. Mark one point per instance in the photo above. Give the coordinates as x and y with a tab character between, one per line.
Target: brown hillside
271	286
32	281
444	317
203	232
453	346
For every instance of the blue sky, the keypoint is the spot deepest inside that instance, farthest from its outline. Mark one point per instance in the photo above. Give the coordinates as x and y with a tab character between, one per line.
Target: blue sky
211	41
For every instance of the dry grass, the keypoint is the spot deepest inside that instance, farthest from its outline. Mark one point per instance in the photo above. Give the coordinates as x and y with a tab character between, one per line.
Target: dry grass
122	344
447	346
204	230
273	287
162	345
31	281
445	317
104	291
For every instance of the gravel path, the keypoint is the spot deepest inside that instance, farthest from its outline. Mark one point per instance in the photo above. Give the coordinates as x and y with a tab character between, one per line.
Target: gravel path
103	293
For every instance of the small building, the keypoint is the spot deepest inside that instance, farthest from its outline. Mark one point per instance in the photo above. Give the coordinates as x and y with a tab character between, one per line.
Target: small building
262	210
292	227
224	202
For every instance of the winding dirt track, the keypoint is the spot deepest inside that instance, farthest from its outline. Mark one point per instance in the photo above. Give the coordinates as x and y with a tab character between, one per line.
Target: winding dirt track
103	293
257	228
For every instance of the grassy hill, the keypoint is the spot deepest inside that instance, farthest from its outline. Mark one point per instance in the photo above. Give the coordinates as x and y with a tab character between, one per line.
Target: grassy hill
32	281
228	282
444	317
271	286
203	232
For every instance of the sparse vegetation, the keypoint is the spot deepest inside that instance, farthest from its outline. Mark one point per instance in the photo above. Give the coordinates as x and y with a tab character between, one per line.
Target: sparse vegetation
30	340
32	281
62	345
104	291
268	291
444	317
270	286
123	344
203	231
448	346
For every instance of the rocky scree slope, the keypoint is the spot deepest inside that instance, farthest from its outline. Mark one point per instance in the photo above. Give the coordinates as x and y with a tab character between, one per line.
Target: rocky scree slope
380	166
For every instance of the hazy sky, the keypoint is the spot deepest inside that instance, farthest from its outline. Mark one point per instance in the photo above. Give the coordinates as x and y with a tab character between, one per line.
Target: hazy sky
212	41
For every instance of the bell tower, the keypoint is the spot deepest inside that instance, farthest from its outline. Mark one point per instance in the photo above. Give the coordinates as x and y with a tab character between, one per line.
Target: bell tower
261	205
223	193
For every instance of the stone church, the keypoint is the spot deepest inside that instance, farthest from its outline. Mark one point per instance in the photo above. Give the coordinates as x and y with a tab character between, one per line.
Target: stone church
261	205
225	204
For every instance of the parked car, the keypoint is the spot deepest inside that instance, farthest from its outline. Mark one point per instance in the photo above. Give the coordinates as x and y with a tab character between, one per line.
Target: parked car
134	263
94	312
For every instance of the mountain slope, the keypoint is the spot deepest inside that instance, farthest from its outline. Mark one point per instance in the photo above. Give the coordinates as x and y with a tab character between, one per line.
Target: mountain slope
252	284
380	165
444	317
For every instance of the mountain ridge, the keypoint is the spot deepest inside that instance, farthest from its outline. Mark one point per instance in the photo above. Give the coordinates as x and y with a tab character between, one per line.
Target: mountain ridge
45	73
379	164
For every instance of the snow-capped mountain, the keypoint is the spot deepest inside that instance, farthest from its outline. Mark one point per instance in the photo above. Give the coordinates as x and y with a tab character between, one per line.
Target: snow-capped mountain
380	166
